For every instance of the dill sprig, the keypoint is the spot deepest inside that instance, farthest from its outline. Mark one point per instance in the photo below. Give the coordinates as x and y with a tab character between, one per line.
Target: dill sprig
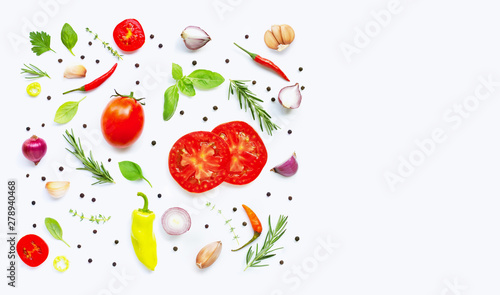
105	44
100	173
265	252
226	221
93	218
252	102
34	71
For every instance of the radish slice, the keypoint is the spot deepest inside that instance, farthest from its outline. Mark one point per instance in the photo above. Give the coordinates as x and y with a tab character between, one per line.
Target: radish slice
176	221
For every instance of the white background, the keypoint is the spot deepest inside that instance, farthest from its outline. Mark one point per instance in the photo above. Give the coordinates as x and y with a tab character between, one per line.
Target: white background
434	233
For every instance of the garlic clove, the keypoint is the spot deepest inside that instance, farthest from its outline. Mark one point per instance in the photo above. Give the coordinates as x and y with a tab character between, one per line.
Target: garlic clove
290	96
287	34
75	71
270	41
57	189
281	47
276	29
208	254
287	168
194	37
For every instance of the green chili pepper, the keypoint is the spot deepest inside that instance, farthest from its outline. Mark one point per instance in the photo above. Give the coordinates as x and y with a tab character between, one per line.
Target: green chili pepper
143	237
61	263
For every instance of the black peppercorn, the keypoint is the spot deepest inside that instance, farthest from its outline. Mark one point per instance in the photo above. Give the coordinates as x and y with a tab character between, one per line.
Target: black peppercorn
34	225
215	108
82	57
281	262
82	195
27	175
93	199
254	82
244	223
49	97
273	99
205	119
297	238
43	124
268	194
246	36
160	45
268	88
137	82
227	60
159	196
28	128
302	87
290	198
33	203
175	248
59	60
194	62
94	231
90	43
290	131
114	264
136	65
109	159
43	178
61	168
84	125
78	246
181	112
97	61
301	69
116	241
235	209
153	142
206	225
90	260
151	36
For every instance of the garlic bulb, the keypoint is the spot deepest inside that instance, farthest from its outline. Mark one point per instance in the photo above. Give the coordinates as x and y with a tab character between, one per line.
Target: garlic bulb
57	189
279	37
75	71
208	254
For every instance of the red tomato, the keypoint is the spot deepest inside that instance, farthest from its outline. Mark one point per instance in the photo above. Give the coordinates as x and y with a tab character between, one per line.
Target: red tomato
129	35
199	161
32	250
122	121
248	152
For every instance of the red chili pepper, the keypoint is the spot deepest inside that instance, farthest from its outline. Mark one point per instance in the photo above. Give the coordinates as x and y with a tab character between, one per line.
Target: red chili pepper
265	62
96	83
256	225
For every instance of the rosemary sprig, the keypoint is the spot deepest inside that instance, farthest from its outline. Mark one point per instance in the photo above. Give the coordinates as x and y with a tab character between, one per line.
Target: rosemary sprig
265	252
226	221
34	71
93	218
105	44
100	173
252	102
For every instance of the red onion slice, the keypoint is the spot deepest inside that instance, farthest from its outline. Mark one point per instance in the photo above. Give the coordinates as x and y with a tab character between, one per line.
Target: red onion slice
290	96
176	221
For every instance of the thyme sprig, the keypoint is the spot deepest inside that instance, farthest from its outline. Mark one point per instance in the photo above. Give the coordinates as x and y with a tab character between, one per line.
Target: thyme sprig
248	99
105	44
100	173
93	218
271	238
34	71
226	221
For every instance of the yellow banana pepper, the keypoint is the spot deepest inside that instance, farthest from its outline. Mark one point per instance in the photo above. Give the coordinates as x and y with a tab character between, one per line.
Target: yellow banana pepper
143	237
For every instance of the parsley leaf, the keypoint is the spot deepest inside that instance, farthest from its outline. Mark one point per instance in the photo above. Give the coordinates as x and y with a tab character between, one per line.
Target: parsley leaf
40	42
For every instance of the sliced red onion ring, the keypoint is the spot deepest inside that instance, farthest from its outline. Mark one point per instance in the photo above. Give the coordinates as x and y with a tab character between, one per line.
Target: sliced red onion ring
176	221
290	96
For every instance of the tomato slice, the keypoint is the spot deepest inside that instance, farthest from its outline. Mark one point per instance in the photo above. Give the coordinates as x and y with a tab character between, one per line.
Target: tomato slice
32	250
248	152
199	161
129	35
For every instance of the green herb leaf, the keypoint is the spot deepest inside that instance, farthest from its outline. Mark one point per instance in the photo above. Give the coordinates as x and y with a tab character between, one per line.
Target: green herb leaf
54	229
205	79
176	71
67	111
69	37
186	87
171	97
40	42
132	171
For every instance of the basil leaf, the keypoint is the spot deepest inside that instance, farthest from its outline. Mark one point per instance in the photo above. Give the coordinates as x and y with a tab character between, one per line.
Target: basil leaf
67	111
171	97
131	171
176	71
205	79
54	229
69	37
186	87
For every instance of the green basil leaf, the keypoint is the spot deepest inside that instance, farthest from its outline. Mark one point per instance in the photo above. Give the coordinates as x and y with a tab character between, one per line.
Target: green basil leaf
69	37
171	98
67	111
205	79
131	171
186	87
176	71
54	229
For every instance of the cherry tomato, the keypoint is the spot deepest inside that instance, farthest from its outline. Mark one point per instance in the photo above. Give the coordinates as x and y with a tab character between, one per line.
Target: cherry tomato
122	121
32	250
248	152
199	161
129	35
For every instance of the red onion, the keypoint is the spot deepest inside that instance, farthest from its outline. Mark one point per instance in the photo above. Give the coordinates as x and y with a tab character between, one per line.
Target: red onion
290	97
287	168
176	221
194	37
34	148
